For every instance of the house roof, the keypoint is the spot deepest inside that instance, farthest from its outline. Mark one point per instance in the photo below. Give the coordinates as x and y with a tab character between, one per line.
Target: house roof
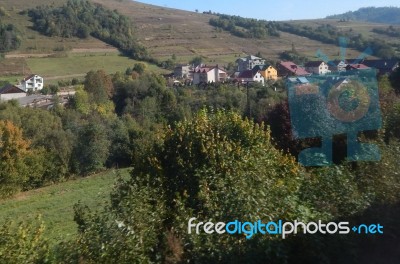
313	63
358	66
262	67
9	88
381	64
336	62
253	57
292	67
29	77
300	80
205	69
250	57
248	74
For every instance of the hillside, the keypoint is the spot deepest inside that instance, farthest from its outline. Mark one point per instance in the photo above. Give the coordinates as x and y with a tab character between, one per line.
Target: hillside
55	203
164	32
387	15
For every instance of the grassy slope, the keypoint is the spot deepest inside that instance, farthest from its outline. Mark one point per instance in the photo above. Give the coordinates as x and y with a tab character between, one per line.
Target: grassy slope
78	64
168	31
164	32
55	203
83	55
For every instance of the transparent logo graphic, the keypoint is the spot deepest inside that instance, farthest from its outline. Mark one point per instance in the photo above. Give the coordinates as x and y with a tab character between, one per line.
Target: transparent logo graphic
345	102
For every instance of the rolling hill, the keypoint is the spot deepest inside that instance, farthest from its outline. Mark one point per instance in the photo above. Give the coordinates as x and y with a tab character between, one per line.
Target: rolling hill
387	15
164	32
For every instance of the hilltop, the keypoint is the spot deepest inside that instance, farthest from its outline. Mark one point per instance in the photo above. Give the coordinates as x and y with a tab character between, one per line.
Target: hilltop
387	15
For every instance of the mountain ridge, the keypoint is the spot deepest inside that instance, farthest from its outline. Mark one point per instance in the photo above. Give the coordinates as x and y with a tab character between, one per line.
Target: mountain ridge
385	15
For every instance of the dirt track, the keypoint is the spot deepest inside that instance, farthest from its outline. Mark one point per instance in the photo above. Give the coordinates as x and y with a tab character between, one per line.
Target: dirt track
28	55
64	76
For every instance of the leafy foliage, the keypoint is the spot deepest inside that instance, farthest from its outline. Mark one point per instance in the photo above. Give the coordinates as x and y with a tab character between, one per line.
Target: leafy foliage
216	166
13	154
9	37
80	18
245	27
23	243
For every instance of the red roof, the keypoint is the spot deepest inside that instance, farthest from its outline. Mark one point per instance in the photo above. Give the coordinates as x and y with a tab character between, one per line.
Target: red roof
292	67
359	66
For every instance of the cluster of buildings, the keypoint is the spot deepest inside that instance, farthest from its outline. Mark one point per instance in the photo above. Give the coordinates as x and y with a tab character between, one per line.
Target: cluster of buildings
249	69
31	83
252	69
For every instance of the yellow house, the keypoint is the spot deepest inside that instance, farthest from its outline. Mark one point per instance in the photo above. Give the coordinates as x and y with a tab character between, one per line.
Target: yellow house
268	72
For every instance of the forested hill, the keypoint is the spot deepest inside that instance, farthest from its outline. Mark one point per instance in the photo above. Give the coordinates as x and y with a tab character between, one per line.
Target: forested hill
387	15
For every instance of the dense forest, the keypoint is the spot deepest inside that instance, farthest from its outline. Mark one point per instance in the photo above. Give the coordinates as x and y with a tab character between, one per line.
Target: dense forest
245	27
387	15
80	18
9	37
330	34
217	152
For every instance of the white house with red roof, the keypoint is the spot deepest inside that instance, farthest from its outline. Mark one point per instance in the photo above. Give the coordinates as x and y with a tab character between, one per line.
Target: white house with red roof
208	74
33	82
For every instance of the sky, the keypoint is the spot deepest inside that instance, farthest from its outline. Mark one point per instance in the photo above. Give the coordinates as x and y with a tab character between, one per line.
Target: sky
274	10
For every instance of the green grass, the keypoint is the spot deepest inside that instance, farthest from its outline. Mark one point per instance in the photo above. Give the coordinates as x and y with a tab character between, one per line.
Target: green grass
11	78
81	63
55	203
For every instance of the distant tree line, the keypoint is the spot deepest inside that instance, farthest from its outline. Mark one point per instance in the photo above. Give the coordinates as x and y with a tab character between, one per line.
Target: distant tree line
9	37
389	15
329	34
80	18
245	27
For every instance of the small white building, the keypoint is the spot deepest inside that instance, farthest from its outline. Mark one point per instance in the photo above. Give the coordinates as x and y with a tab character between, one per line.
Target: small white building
32	82
10	92
206	74
337	66
317	67
183	72
251	76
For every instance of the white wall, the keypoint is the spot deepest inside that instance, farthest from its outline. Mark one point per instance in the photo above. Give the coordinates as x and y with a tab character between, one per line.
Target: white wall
10	96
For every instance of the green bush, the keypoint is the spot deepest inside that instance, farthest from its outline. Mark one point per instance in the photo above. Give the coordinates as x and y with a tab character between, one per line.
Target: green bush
23	243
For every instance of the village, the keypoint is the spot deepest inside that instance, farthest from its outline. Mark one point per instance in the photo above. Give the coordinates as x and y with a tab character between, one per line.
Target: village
253	69
249	70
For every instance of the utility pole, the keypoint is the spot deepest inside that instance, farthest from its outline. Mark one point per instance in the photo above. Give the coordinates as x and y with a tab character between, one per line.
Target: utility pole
248	101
